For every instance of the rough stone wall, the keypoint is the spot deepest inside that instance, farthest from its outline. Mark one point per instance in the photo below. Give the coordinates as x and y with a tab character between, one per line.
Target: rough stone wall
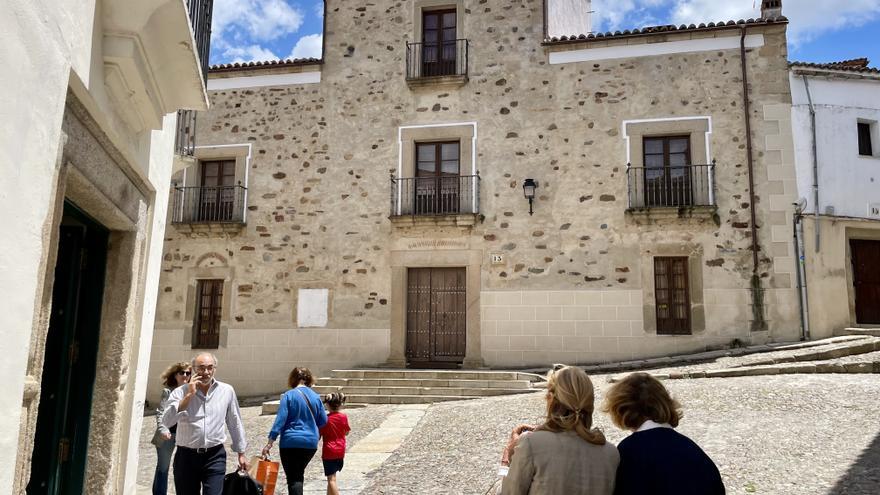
319	179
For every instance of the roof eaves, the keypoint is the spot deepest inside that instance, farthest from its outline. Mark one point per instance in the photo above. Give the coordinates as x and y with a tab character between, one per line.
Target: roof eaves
269	64
665	29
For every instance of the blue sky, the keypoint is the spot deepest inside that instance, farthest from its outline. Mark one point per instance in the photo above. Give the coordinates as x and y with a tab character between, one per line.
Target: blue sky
820	30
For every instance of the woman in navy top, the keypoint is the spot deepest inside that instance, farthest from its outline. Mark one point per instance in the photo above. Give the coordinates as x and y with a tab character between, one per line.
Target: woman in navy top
656	459
300	414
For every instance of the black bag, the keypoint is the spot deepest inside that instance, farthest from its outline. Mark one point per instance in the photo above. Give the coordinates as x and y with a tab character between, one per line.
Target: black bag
240	484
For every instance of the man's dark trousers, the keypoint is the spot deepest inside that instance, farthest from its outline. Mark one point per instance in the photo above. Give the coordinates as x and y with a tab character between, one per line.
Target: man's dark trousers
197	471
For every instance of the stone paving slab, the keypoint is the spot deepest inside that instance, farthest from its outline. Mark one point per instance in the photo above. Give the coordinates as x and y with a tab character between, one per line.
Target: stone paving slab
773	435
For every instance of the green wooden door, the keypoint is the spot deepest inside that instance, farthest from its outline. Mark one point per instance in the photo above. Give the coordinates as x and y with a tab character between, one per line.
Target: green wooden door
62	434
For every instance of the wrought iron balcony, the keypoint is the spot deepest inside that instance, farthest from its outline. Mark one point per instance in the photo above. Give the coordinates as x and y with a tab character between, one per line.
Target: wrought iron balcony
200	12
219	204
437	59
185	138
670	187
433	196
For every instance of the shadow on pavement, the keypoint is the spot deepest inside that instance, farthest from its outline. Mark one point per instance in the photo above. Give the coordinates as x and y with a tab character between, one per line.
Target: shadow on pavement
863	477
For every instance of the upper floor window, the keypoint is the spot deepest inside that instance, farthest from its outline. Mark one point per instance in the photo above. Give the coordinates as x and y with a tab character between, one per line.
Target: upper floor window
438	54
866	147
214	191
667	171
437	182
438	43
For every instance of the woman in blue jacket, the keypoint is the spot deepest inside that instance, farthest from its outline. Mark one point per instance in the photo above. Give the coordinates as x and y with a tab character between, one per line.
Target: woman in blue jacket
300	414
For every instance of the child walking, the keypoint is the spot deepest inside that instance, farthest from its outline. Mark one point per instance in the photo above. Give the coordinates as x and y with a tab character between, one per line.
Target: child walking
333	433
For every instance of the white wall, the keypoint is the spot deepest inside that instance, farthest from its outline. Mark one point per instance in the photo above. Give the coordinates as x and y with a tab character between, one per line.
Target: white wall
847	181
568	17
47	48
37	62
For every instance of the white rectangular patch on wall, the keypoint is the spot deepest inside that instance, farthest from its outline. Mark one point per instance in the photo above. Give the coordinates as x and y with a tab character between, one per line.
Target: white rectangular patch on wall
311	308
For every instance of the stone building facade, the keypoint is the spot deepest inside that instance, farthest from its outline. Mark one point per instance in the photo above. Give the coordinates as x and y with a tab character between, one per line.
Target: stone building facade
383	218
91	93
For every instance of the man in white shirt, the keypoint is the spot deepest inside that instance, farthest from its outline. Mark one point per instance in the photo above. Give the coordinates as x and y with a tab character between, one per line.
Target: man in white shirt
200	409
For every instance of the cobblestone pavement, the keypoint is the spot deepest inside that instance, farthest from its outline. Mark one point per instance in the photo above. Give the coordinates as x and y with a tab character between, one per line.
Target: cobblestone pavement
780	435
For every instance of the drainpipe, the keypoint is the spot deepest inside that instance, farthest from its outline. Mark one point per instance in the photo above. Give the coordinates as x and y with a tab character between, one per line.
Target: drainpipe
815	161
800	262
757	290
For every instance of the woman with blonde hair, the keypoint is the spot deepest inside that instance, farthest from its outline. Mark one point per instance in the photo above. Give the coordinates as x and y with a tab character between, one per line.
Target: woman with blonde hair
655	458
174	376
564	455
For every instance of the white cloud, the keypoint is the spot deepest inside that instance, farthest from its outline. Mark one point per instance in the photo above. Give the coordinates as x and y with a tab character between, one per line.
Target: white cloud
319	9
807	18
613	15
308	46
260	20
250	53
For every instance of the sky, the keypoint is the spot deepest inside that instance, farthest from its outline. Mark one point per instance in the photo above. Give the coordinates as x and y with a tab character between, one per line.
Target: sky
819	30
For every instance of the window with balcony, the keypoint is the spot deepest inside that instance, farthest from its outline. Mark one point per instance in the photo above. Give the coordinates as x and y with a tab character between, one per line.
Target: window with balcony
212	192
439	54
661	172
437	179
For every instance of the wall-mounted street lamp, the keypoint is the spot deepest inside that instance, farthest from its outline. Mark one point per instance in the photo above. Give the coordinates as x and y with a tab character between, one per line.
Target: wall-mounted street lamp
529	186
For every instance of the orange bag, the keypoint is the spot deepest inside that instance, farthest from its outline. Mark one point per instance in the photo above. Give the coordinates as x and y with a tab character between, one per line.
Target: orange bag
265	472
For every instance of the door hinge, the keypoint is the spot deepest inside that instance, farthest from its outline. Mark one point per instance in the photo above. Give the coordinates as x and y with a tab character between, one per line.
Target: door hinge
73	352
63	449
83	259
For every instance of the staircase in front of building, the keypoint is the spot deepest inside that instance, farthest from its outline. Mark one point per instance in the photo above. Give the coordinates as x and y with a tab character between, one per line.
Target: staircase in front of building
384	386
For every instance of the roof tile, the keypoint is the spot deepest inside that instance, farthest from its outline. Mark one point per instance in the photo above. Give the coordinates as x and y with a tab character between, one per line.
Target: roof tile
649	30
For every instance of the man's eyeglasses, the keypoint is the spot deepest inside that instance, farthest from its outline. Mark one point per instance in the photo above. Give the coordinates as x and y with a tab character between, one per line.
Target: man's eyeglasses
184	373
209	367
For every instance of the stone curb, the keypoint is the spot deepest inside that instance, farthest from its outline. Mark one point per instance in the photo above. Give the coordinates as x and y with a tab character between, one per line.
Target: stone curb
766	370
668	361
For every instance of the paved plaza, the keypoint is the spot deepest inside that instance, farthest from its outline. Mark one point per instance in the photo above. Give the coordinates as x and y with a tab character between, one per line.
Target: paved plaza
783	435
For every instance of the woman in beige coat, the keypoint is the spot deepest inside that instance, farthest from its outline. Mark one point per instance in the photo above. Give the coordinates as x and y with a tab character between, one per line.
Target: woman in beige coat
565	455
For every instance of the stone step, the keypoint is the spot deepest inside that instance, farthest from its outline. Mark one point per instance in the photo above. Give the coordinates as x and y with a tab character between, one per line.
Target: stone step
271	407
435	374
407	399
416	382
872	330
445	391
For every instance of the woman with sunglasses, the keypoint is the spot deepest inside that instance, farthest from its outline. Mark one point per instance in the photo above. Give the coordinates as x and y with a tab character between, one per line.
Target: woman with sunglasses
174	376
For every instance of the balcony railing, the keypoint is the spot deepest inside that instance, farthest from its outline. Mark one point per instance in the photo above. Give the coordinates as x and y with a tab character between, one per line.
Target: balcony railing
222	204
435	59
429	196
185	137
200	12
656	187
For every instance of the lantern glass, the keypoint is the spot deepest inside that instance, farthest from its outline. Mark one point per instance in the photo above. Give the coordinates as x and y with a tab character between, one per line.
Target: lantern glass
529	186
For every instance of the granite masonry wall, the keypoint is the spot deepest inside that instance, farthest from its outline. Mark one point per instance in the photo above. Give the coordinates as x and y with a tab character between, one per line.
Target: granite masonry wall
571	283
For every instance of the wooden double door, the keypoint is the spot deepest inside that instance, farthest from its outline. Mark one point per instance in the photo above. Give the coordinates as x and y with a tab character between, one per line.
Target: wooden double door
436	316
866	280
